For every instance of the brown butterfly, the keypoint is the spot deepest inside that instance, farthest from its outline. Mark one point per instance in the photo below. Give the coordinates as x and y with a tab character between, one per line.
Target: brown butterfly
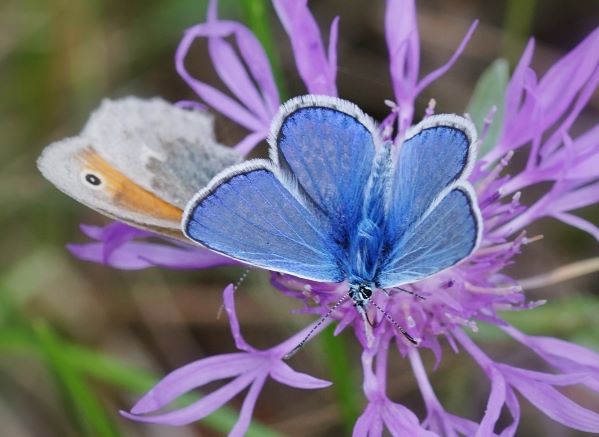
138	161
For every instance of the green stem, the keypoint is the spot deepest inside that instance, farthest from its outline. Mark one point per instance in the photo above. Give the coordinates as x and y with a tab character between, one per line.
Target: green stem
519	17
336	355
85	363
257	17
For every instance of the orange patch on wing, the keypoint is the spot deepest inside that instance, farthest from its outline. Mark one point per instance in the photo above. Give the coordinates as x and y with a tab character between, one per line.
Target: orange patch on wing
127	193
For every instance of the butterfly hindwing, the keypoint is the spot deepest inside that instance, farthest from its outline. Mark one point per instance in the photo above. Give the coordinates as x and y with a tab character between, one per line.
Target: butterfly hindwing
327	145
249	214
444	237
437	153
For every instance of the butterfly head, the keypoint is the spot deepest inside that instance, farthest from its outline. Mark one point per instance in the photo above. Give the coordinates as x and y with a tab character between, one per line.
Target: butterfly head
360	294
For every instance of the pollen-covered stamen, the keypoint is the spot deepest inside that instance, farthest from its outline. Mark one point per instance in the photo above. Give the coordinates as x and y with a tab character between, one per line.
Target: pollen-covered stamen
482	186
487	123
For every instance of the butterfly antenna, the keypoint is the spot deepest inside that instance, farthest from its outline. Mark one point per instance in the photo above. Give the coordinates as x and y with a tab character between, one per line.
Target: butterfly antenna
242	278
392	320
412	293
315	327
235	287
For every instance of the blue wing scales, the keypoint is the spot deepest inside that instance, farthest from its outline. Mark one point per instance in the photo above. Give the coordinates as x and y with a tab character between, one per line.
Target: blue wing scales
250	215
444	237
439	153
327	145
433	220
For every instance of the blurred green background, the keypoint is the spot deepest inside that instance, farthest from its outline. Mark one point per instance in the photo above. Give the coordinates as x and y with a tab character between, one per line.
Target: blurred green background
79	341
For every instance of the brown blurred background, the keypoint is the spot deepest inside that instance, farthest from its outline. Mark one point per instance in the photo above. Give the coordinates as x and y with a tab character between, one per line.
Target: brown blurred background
59	58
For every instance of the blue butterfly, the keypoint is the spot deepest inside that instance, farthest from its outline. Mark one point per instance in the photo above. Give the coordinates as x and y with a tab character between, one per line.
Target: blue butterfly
335	202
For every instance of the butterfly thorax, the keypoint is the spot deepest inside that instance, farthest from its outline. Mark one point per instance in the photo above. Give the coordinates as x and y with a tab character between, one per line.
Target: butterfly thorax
368	241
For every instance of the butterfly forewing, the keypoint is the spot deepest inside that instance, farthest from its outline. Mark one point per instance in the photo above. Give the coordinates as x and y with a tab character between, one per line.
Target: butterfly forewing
250	215
327	145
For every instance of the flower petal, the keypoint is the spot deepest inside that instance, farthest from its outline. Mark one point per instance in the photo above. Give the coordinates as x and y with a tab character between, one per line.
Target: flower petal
556	405
246	145
563	355
436	74
234	75
135	255
284	374
247	409
462	425
313	66
562	82
229	304
400	421
199	409
403	43
213	97
579	223
364	423
513	406
494	404
192	376
559	348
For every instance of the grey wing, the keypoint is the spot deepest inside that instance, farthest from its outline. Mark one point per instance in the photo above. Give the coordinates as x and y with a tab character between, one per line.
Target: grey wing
167	150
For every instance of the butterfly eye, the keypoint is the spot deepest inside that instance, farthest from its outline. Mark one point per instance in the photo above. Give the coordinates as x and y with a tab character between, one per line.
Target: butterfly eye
91	179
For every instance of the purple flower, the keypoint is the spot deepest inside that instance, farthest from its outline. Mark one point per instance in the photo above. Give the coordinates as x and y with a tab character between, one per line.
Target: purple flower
248	369
539	113
380	411
317	69
401	32
118	245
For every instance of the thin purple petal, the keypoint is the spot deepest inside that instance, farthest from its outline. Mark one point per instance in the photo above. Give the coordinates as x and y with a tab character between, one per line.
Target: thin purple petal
247	409
234	75
434	75
192	376
310	57
400	421
284	374
403	43
199	409
246	145
135	255
494	404
213	97
556	405
579	223
364	423
229	304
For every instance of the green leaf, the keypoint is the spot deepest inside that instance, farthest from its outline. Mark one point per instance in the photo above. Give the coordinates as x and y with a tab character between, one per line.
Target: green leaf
257	17
518	23
80	399
76	362
488	93
117	373
571	318
344	382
